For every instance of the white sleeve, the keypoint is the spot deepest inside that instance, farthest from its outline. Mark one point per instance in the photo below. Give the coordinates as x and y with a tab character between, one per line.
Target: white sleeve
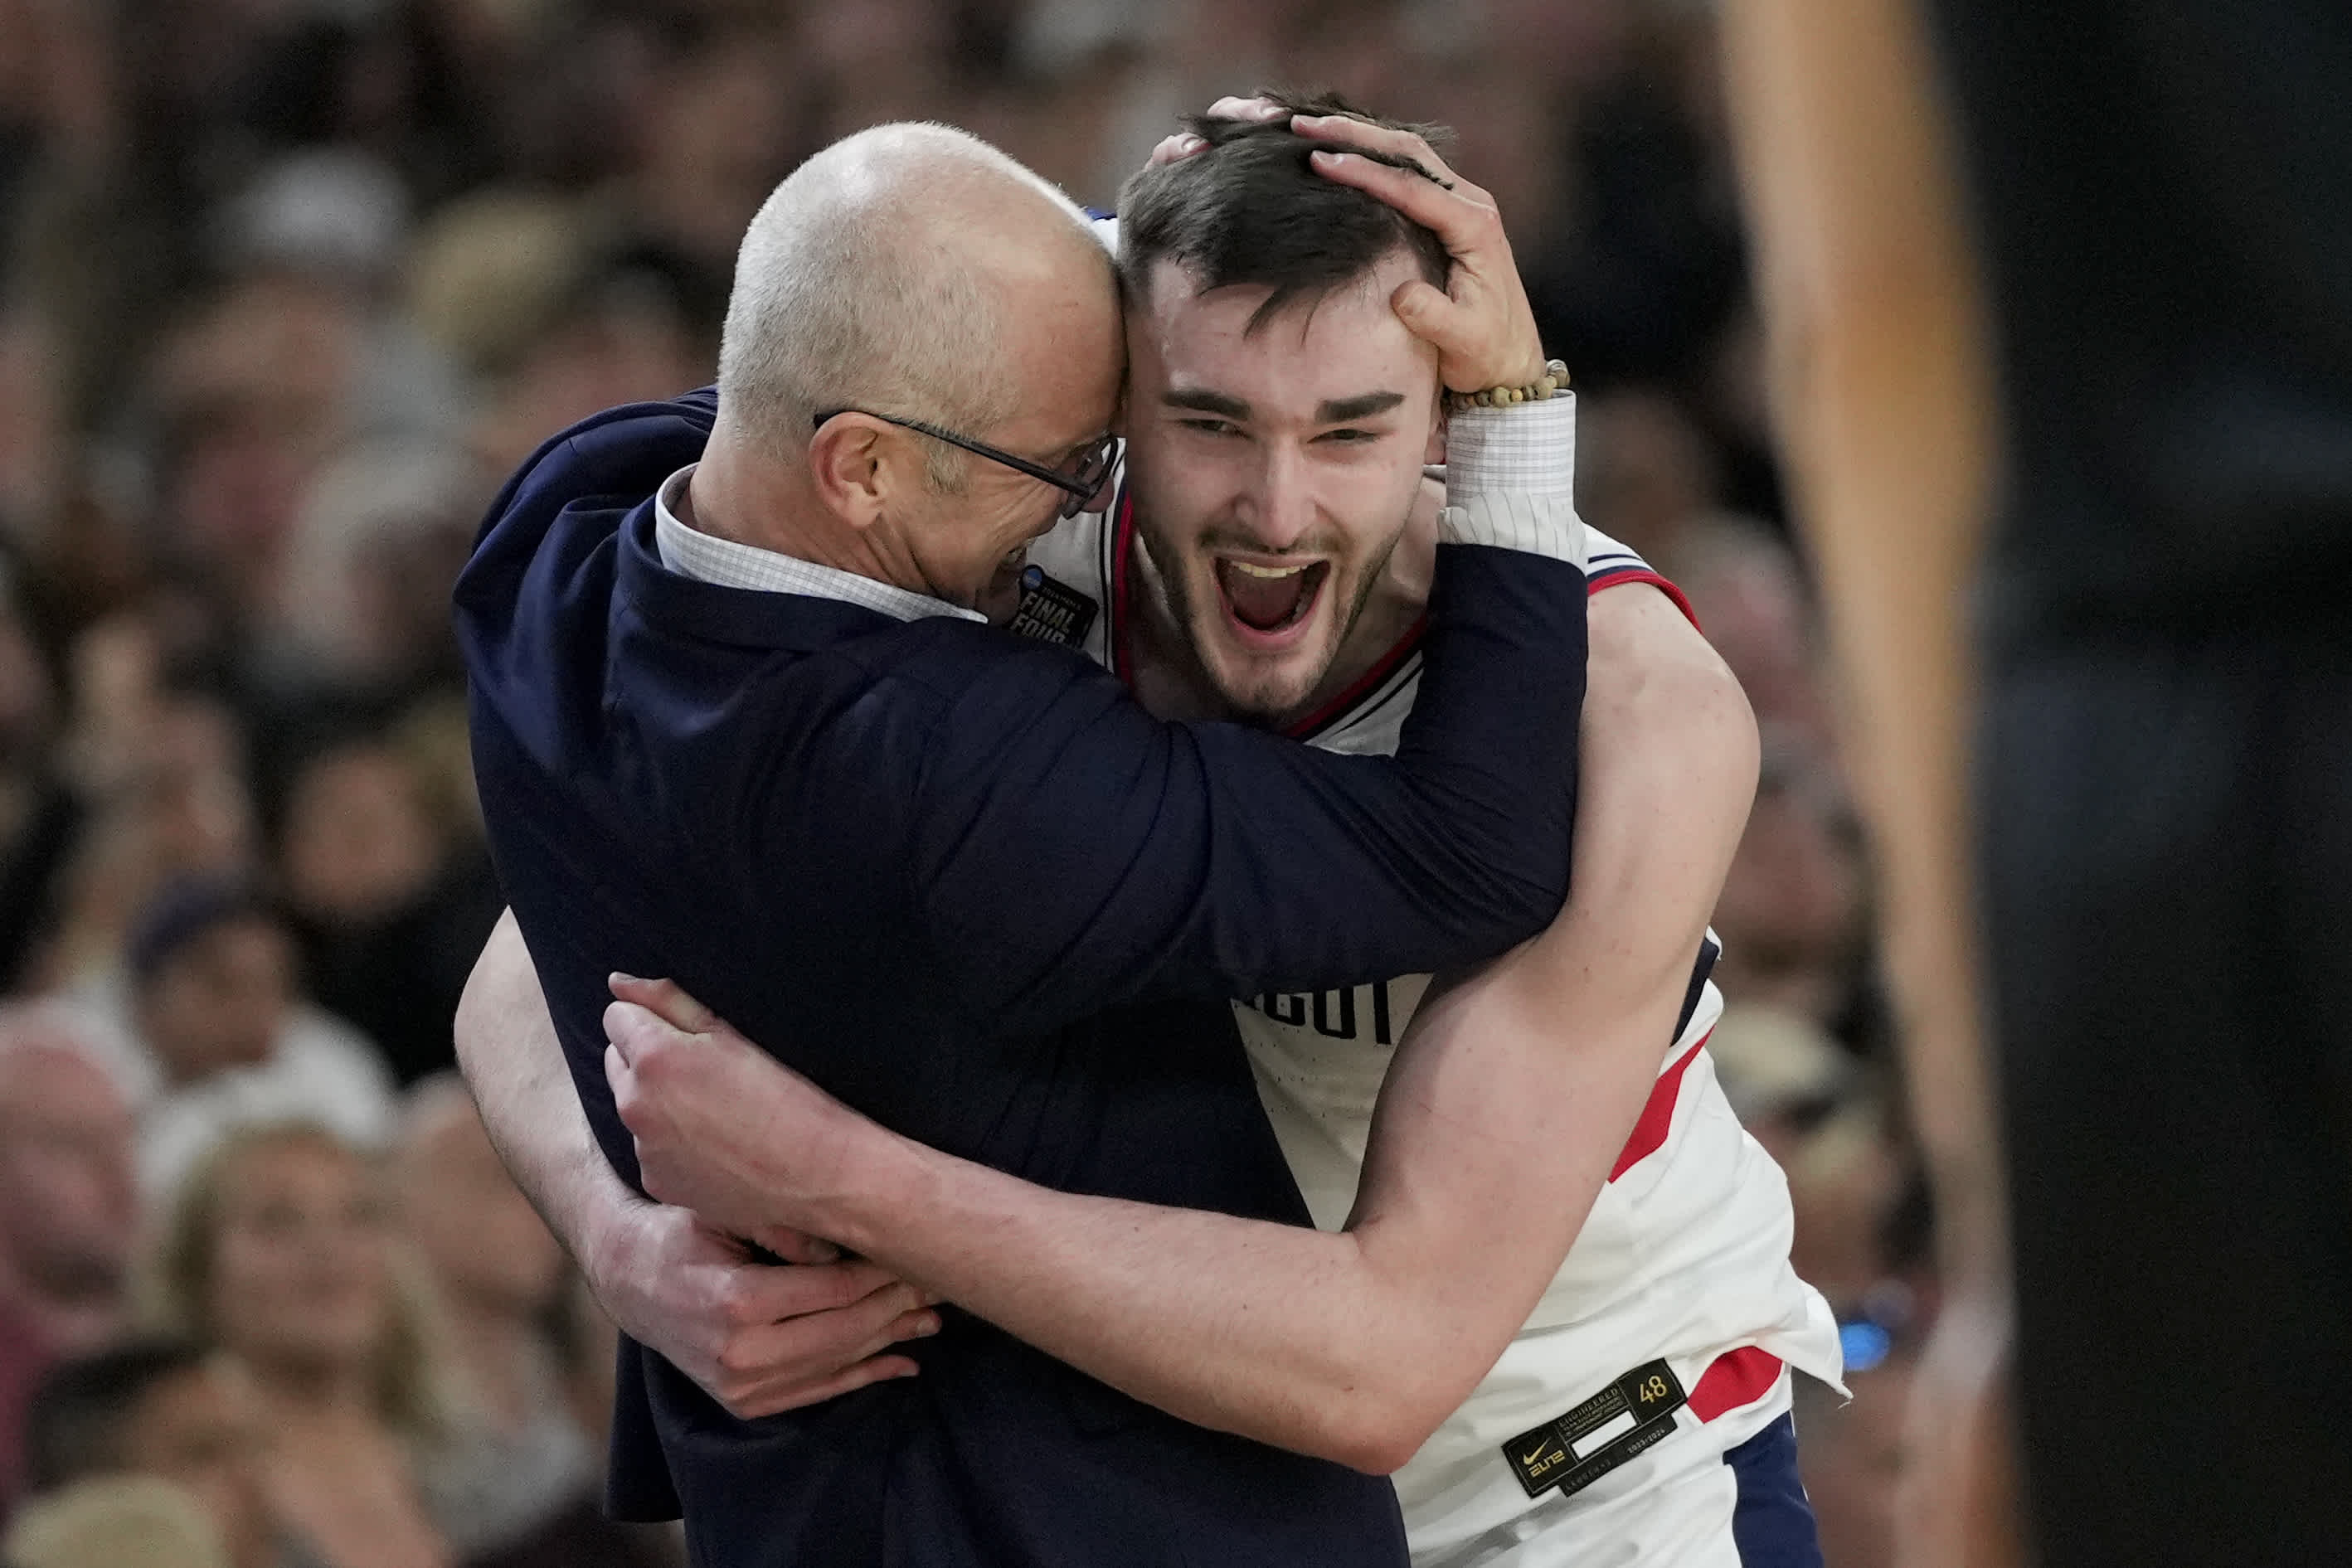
1510	480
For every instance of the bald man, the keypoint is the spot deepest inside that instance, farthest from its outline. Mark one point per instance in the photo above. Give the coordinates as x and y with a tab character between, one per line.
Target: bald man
68	1211
738	720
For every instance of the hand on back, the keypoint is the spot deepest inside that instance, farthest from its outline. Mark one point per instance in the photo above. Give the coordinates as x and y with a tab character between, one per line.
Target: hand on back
708	1108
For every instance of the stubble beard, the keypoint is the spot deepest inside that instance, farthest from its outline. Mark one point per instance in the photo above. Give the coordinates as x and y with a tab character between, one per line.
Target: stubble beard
1276	697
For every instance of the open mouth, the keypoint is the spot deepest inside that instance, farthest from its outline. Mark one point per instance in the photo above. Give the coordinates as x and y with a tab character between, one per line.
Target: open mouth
1269	600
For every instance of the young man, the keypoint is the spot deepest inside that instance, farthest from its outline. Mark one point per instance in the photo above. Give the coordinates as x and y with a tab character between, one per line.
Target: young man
1266	559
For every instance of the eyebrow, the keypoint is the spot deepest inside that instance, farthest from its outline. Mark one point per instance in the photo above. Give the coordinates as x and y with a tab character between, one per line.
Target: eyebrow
1205	401
1331	411
1341	411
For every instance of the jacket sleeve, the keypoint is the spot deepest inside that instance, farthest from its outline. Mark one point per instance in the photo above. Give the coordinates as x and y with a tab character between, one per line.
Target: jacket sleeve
1073	853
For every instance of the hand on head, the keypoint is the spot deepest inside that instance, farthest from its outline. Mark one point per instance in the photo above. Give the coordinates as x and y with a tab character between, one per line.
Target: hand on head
1481	323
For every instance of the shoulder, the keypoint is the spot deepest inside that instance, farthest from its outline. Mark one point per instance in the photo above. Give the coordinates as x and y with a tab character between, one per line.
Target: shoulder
999	712
1608	563
975	673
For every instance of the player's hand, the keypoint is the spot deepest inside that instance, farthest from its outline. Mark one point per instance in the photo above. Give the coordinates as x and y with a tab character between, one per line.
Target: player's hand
759	1338
721	1127
1480	323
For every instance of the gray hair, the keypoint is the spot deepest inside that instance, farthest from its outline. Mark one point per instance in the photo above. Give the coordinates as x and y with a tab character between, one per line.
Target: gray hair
856	288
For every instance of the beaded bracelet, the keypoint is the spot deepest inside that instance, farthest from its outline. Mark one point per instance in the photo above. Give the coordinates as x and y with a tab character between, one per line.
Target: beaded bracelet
1553	380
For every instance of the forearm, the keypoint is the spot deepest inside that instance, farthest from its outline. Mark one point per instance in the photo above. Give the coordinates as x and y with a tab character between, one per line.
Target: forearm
1291	1336
513	1062
1876	353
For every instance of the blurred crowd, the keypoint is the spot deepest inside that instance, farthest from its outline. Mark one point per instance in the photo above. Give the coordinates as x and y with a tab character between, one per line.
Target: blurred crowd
287	287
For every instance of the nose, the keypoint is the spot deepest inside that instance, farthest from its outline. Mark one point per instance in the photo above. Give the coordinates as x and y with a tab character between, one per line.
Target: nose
1280	503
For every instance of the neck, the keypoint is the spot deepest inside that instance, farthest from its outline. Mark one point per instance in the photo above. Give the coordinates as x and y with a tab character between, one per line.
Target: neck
497	1348
770	507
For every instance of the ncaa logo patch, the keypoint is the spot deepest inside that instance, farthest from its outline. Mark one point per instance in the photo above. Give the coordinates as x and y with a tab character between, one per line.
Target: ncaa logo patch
1051	611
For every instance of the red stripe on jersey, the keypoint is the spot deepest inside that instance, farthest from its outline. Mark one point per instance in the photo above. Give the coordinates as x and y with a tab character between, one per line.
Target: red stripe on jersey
1122	663
1735	1378
1406	646
1620	576
1658	1117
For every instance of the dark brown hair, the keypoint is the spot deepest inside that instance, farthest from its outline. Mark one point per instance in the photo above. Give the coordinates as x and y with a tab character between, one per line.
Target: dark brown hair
1251	209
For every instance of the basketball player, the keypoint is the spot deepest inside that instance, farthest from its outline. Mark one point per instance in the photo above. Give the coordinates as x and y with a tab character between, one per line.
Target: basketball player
1265	560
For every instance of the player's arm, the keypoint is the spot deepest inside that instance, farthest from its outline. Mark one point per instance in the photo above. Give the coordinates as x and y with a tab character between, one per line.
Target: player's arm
759	1339
1507	1104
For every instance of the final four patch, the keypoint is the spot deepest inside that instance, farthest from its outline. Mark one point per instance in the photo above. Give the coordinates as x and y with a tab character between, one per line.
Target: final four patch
1051	611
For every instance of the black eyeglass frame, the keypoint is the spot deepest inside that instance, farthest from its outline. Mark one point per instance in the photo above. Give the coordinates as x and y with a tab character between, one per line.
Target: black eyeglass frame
1083	486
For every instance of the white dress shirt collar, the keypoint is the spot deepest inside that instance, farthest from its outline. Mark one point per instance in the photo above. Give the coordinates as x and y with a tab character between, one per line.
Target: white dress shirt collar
706	557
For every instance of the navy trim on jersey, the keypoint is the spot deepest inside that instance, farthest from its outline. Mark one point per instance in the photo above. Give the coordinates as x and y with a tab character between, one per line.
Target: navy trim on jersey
1709	950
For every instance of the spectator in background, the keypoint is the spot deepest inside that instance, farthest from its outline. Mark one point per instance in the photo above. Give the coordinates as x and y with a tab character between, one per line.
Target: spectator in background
1750	592
116	1523
211	1033
1852	1460
280	1251
389	903
518	1481
39	813
496	1270
1793	912
159	768
1783	1076
1817	1113
166	1409
68	1211
1643	472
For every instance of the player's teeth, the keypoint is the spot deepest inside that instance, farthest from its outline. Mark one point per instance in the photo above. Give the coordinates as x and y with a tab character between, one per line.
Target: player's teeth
1246	570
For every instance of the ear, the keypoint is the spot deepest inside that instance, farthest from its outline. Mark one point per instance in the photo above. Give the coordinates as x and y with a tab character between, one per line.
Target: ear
1434	450
848	459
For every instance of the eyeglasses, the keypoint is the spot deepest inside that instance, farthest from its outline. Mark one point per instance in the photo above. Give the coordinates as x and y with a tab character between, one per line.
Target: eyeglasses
1083	482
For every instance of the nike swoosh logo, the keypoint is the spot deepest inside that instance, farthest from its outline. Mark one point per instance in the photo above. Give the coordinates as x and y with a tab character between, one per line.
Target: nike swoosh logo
1540	1451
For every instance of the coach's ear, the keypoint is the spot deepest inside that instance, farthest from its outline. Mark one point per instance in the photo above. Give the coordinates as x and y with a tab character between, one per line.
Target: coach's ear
857	462
1434	450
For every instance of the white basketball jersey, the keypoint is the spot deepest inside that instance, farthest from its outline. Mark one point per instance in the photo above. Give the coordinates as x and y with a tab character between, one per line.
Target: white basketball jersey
1685	1255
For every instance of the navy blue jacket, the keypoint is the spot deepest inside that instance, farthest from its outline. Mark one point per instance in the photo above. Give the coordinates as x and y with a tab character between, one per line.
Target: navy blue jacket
964	883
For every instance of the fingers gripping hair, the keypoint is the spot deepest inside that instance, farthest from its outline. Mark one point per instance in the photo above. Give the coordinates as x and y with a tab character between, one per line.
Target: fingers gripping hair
1249	208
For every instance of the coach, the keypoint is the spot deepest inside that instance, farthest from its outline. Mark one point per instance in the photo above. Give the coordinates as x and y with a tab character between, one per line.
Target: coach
753	734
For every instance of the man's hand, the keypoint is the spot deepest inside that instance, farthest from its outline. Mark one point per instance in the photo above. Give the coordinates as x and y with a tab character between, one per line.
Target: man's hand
1480	323
758	1338
721	1127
